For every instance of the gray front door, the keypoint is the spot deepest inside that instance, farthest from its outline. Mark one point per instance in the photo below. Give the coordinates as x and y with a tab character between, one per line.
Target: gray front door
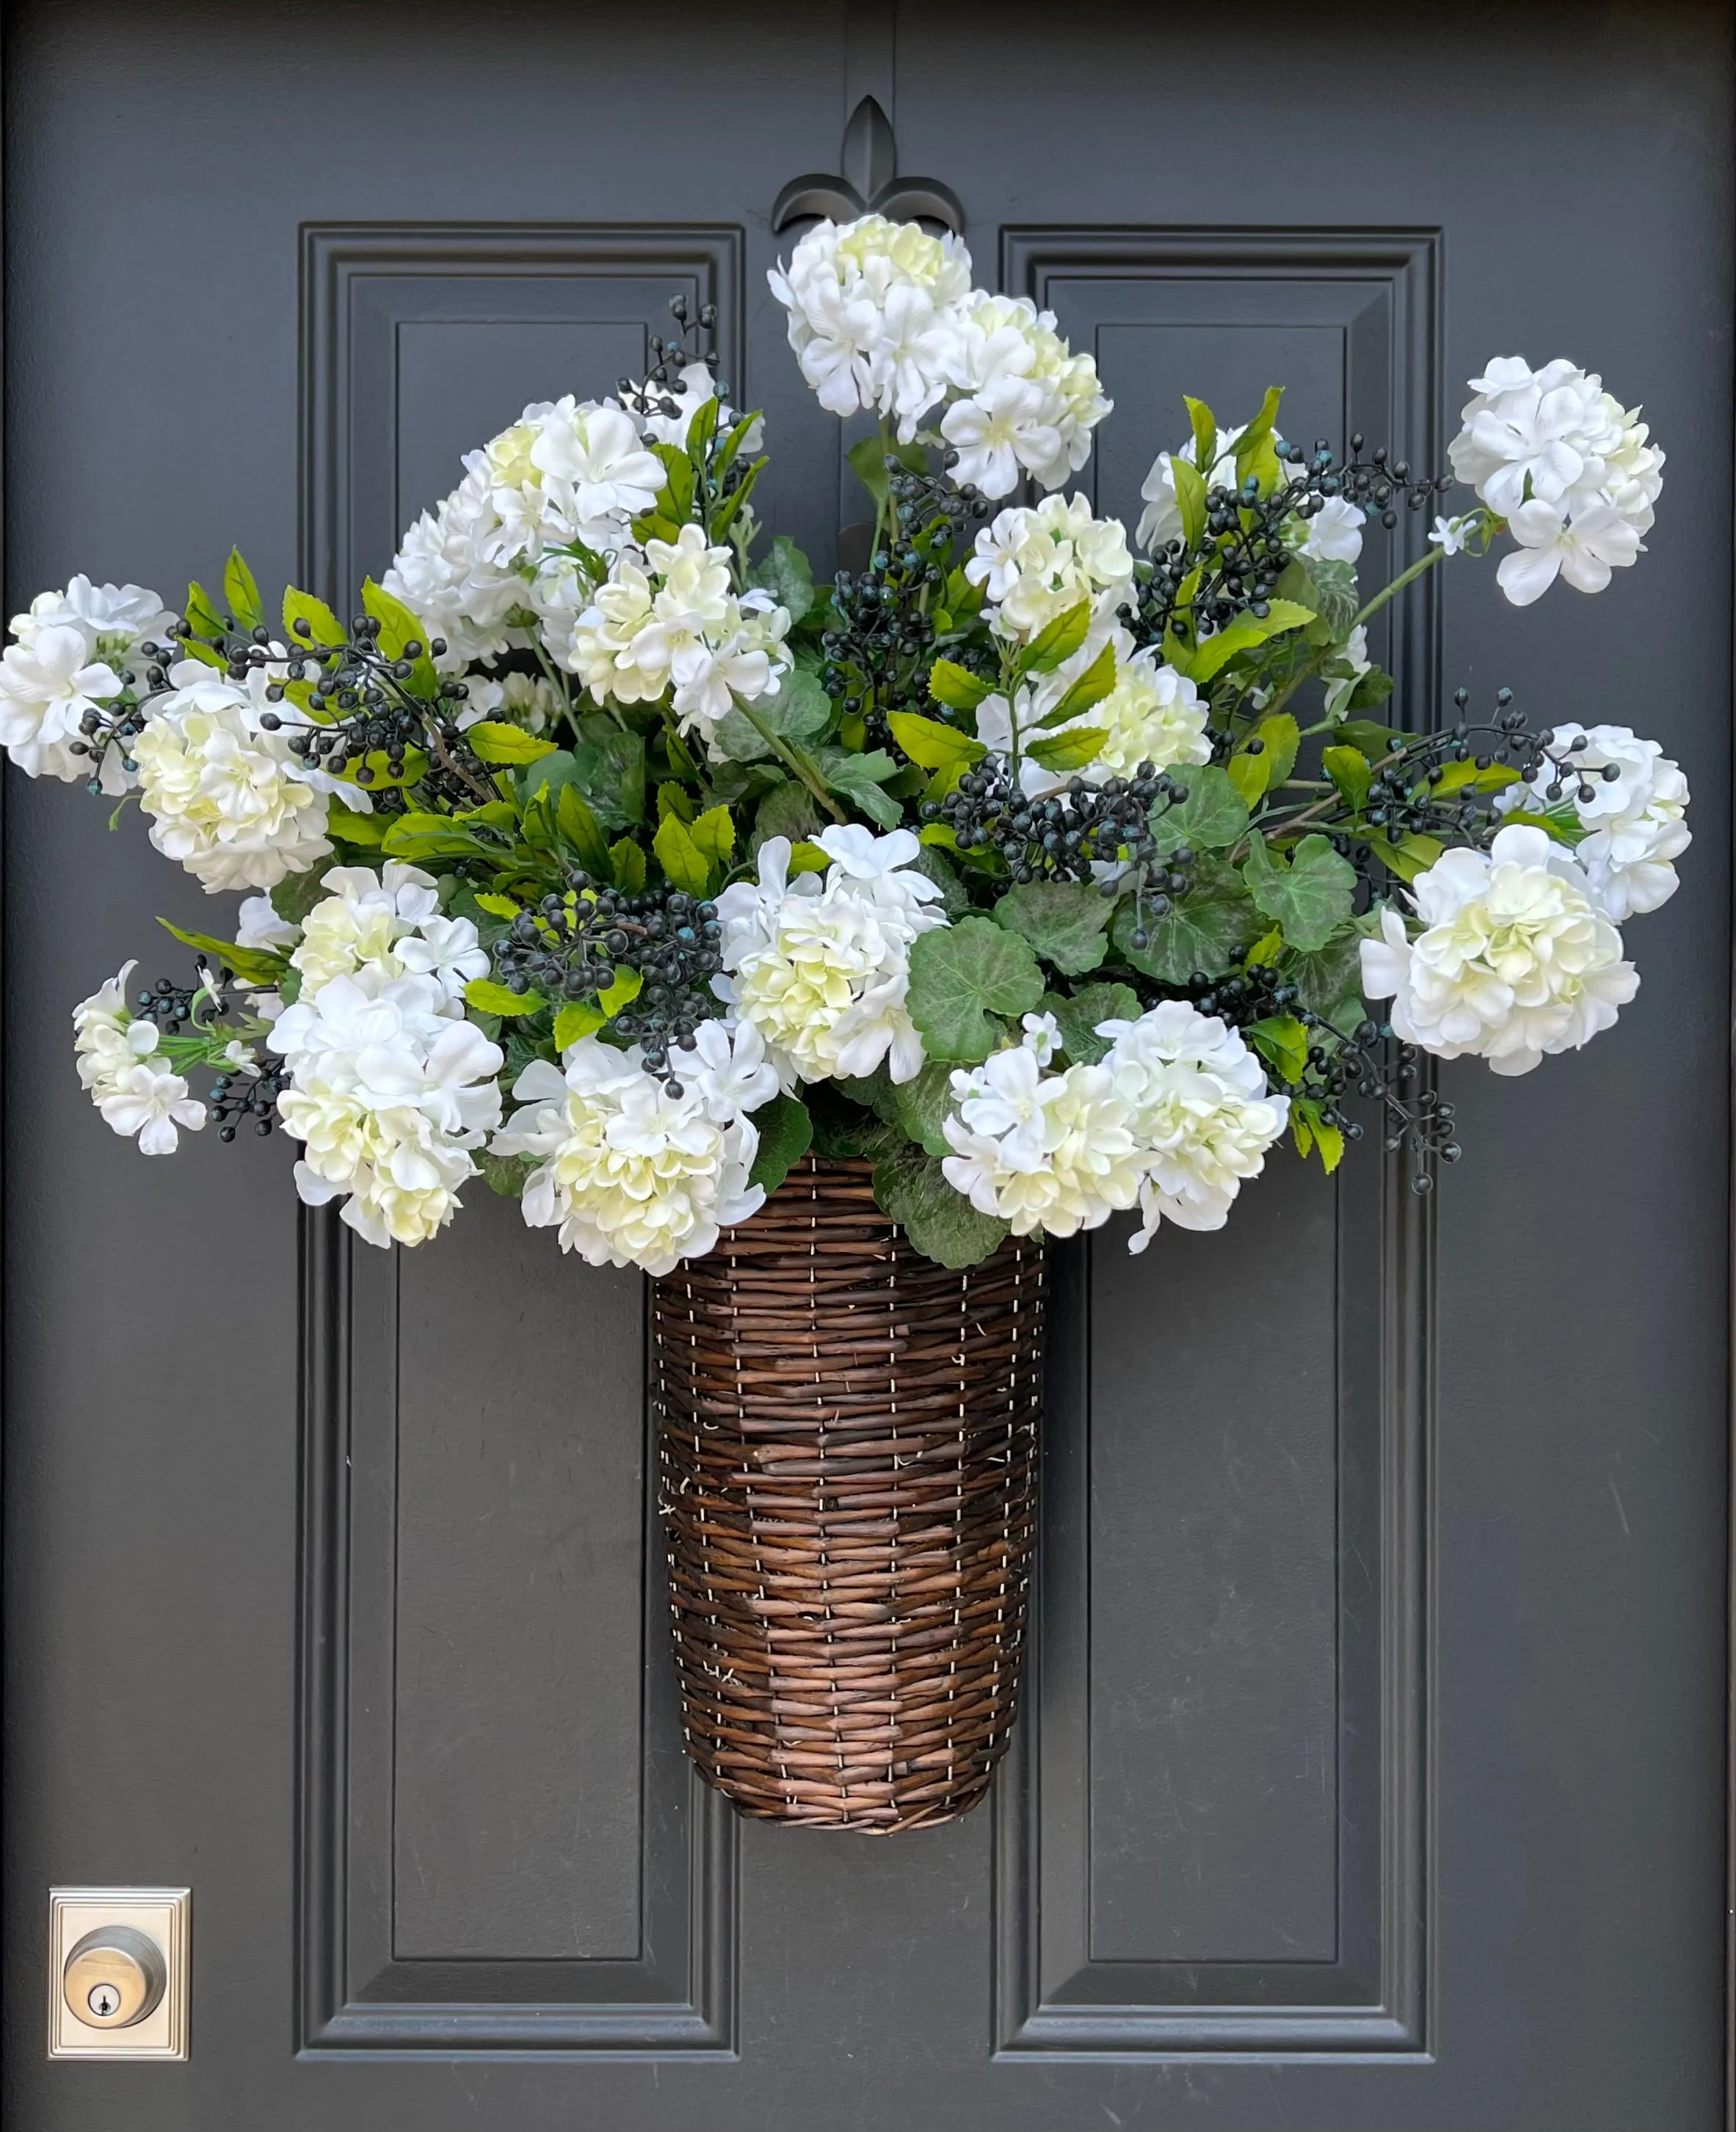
1371	1777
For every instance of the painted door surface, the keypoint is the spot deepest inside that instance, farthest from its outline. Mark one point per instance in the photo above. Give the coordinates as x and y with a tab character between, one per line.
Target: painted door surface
1371	1776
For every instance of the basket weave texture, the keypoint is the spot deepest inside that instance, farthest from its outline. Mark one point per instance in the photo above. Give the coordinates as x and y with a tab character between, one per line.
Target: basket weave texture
848	1449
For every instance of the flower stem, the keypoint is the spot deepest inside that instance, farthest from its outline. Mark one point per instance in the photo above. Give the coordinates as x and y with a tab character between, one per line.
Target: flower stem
795	760
1404	577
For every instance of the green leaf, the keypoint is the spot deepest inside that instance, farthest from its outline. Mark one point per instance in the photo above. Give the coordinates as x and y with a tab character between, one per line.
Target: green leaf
941	1224
1190	495
680	858
1256	450
1078	1013
297	893
1098	681
806	857
580	828
609	766
954	897
577	1018
1329	980
868	459
627	863
1054	645
956	686
857	778
1347	768
240	590
1211	817
399	629
1310	894
1200	930
800	710
1243	635
713	834
1310	1128
960	975
1203	425
920	1107
348	828
1329	587
1282	1041
932	744
201	614
1067	922
1281	738
1369	738
787	810
488	997
492	741
1071	750
256	966
1371	691
786	1134
1563	824
785	573
323	625
498	907
1248	774
675	799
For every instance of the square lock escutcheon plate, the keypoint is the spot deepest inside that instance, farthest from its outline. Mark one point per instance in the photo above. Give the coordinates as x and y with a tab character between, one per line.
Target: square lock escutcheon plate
143	1935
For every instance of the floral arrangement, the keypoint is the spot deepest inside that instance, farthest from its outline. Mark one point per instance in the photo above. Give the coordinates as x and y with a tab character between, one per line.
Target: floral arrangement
603	853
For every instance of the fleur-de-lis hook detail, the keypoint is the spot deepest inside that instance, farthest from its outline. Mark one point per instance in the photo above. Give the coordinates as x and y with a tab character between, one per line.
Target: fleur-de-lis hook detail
868	183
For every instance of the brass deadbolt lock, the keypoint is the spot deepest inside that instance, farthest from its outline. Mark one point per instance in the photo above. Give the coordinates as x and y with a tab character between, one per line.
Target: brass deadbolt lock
114	1976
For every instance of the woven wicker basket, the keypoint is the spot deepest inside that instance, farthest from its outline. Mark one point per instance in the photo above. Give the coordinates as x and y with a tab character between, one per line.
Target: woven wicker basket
849	1482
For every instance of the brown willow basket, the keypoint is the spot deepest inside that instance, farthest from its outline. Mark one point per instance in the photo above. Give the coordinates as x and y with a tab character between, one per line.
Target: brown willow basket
850	1439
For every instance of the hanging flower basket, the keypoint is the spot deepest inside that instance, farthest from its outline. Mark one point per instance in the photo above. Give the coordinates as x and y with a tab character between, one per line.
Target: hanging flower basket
850	1439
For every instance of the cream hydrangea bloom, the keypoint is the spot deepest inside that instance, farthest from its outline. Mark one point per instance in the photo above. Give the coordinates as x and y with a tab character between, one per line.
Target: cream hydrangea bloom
115	1056
389	922
48	681
1513	960
669	622
390	1091
568	470
1152	714
630	1174
1034	565
1038	1149
228	801
1199	1109
1633	802
445	572
820	964
1025	404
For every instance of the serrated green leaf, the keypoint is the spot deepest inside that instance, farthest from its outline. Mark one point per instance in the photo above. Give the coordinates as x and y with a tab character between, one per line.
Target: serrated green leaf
680	858
1246	632
1200	931
932	744
910	1186
347	826
257	966
960	975
577	1018
1068	750
921	1106
498	907
1310	893
1078	1014
956	686
1204	427
201	614
1211	817
1329	980
786	1134
713	834
492	741
1190	495
627	863
1248	774
399	629
628	984
1282	1042
954	897
1281	738
857	778
799	711
1347	768
807	857
488	997
240	590
783	571
581	832
1370	739
787	810
1256	448
1098	681
324	626
1056	644
1066	922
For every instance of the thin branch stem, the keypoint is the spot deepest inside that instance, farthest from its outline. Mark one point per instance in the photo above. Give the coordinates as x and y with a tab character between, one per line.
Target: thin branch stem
795	760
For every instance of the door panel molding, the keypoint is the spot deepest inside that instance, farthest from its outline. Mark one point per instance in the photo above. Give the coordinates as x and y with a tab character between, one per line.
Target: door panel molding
1365	305
677	1994
365	286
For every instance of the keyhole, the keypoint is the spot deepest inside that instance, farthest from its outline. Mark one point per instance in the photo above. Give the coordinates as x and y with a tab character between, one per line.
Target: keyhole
104	2001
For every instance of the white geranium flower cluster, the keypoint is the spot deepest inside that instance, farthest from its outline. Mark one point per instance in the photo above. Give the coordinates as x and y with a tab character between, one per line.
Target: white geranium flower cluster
630	1169
1513	960
1152	714
820	963
226	797
1172	1119
882	317
1035	566
1633	803
71	650
1568	467
669	620
1332	534
136	1094
484	569
391	1088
